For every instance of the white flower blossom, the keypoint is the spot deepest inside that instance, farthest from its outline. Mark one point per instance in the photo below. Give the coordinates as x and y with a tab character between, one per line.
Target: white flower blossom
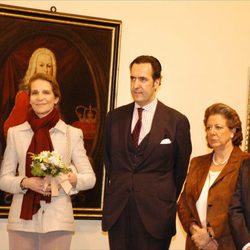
43	166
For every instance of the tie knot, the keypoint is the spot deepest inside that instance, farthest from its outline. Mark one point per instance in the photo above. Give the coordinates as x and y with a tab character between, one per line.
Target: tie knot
140	113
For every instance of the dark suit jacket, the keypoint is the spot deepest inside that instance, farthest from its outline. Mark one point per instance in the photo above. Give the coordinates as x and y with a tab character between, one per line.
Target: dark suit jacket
157	180
239	209
218	197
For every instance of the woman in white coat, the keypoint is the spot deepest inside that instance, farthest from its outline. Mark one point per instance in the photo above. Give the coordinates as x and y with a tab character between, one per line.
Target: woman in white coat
38	220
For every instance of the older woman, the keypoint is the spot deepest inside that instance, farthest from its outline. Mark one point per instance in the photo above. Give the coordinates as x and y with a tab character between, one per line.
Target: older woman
36	219
203	204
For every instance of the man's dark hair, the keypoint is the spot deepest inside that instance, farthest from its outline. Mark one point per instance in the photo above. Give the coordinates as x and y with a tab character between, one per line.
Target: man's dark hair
156	65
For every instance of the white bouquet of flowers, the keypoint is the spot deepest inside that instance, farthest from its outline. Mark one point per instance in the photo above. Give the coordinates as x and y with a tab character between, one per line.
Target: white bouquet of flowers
50	165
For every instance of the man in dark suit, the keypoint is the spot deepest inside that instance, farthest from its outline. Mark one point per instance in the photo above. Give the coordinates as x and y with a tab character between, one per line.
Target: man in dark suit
147	150
239	215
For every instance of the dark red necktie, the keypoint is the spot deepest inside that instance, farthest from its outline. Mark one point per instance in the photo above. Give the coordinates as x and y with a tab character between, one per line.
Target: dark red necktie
137	129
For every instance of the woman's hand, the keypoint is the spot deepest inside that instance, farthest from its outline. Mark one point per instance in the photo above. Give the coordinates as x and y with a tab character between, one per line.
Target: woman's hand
37	184
200	237
72	179
212	245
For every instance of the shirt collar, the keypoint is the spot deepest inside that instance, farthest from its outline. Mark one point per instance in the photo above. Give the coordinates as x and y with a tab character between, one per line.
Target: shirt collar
151	107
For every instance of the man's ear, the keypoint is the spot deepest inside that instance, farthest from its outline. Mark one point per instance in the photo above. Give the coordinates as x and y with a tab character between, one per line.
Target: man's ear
157	83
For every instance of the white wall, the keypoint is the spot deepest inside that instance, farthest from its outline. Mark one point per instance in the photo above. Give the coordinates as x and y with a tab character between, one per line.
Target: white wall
204	48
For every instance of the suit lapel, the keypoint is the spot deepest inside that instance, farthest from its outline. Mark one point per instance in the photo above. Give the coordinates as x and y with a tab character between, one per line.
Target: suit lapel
157	131
124	128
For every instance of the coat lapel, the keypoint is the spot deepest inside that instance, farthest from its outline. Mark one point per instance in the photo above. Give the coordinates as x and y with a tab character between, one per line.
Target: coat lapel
232	165
204	164
124	128
157	131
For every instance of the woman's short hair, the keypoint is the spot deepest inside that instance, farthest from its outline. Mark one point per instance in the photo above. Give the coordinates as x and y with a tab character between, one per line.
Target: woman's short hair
53	82
33	62
232	120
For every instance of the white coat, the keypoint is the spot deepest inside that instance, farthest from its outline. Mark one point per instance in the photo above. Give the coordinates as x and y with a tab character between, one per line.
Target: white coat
57	215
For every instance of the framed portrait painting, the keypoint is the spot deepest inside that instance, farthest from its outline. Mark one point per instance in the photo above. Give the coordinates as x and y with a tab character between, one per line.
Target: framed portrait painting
86	55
